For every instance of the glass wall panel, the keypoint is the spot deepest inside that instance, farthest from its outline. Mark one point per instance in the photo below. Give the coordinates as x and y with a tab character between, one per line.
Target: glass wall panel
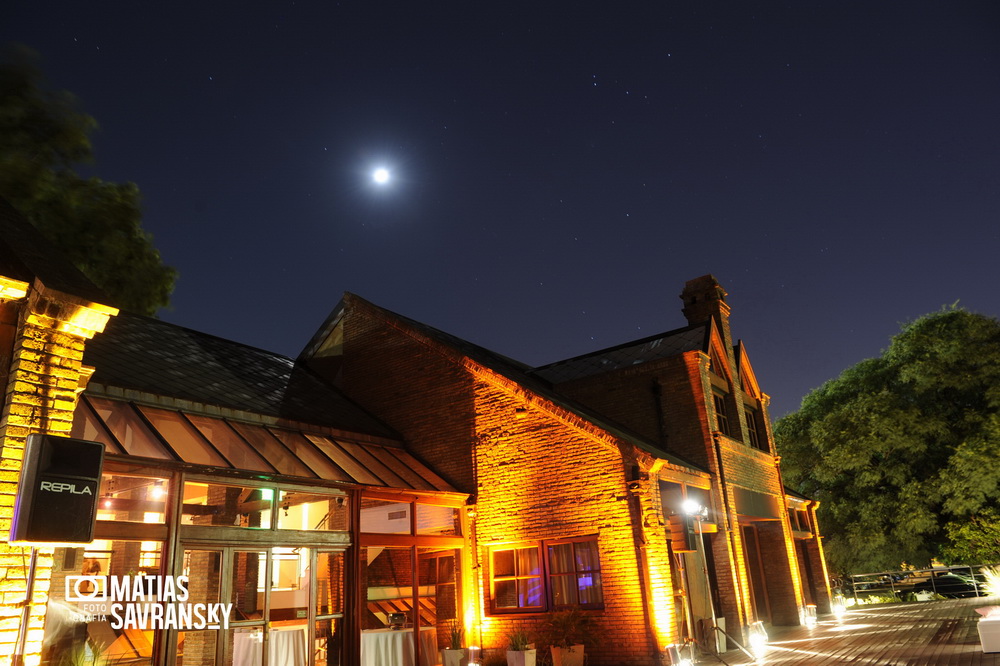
86	426
387	580
289	584
268	446
182	437
385	517
312	511
134	499
439	520
79	621
438	593
129	429
248	585
231	506
204	571
342	459
329	642
329	583
232	446
304	449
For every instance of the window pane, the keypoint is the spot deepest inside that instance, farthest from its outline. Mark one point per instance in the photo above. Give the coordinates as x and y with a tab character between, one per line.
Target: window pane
129	429
85	426
586	555
527	562
249	571
329	641
289	584
441	520
589	586
505	594
229	506
305	450
183	439
564	591
387	581
529	592
317	512
266	445
136	499
561	558
329	583
384	517
503	563
224	438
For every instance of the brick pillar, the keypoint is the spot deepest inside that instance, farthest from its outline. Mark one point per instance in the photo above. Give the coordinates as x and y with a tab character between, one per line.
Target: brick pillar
44	376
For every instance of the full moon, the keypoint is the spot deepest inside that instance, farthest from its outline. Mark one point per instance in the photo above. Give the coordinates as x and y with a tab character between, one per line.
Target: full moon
381	176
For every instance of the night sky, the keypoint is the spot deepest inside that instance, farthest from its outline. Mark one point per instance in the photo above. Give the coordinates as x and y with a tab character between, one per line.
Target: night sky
557	170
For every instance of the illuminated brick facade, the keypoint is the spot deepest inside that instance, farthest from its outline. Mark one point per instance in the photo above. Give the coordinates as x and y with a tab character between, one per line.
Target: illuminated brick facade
543	458
42	337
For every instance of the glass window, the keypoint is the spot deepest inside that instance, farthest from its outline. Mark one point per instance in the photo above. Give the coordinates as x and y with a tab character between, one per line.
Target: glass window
440	520
129	429
385	517
305	450
752	434
721	417
671	497
134	499
571	576
574	574
517	579
228	506
86	426
77	608
266	445
312	511
329	583
183	439
387	581
333	451
232	446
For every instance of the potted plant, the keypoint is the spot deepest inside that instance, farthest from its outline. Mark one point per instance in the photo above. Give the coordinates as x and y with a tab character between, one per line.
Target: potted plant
519	650
566	632
454	653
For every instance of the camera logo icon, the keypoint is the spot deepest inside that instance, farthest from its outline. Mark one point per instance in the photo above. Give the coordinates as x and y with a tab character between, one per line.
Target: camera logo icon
87	589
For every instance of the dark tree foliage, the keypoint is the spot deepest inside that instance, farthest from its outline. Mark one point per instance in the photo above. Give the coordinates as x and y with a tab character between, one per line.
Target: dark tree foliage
903	451
96	223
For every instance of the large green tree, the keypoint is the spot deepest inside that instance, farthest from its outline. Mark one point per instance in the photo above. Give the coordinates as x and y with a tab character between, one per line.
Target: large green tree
98	224
903	450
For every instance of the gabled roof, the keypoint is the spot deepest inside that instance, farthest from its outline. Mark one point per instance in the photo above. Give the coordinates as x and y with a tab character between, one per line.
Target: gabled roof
512	370
625	355
144	354
26	255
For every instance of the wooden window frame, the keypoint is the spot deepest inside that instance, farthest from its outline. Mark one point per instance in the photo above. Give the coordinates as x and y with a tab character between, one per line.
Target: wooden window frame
546	576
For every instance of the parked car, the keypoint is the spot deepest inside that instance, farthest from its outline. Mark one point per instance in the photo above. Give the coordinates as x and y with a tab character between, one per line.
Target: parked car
952	586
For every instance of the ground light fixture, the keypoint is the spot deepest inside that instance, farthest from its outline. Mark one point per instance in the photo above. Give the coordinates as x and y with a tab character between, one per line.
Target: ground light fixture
758	639
676	655
839	606
809	615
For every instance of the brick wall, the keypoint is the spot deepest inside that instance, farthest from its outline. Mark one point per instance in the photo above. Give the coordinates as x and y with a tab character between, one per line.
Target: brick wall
537	472
43	339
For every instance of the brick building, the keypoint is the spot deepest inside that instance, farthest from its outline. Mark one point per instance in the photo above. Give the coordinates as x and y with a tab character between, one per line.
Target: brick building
593	457
393	473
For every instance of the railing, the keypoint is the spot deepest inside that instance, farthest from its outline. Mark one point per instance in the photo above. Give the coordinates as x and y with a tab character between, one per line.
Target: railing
915	584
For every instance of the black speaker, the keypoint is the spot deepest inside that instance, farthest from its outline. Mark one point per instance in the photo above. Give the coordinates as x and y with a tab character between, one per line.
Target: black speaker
57	494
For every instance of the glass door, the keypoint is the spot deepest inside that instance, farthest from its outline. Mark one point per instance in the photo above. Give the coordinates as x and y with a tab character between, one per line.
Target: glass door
278	606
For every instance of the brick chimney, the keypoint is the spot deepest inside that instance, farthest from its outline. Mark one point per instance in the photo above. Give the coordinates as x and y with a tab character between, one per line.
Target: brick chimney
704	299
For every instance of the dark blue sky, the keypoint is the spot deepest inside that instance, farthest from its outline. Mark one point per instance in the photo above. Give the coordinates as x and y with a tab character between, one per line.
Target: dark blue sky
559	169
